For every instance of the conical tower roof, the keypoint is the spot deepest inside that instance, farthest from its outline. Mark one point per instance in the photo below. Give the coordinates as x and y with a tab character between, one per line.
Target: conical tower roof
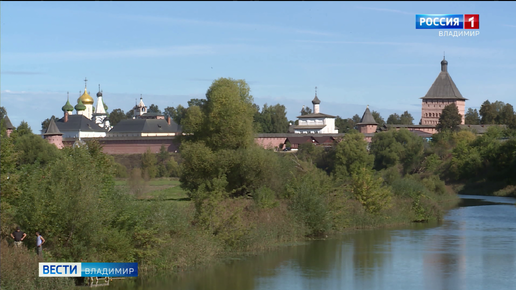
8	123
367	118
443	86
52	129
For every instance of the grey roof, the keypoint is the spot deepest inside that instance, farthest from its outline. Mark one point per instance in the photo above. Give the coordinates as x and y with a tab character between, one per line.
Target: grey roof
286	135
318	115
78	123
367	118
443	86
52	129
308	127
480	129
316	100
146	126
8	124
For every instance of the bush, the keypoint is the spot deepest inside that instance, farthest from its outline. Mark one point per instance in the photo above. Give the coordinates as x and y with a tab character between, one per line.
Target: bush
20	270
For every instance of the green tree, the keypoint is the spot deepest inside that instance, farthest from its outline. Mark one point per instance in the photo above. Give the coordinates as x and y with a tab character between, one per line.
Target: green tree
397	147
345	125
506	115
46	122
22	129
34	149
351	156
450	119
272	119
472	117
487	113
3	113
306	110
378	118
369	191
116	116
176	114
149	162
227	120
154	109
394	119
406	119
356	118
196	102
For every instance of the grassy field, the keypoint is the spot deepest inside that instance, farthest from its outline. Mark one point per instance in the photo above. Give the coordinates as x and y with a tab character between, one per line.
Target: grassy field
159	188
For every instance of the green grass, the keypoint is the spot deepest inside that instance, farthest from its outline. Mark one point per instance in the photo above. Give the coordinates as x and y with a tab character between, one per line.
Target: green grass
159	188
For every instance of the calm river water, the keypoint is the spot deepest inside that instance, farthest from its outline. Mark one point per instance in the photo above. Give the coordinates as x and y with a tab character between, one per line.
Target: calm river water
473	248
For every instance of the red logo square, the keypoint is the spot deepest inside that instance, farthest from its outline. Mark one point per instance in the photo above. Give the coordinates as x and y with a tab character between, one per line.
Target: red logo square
471	21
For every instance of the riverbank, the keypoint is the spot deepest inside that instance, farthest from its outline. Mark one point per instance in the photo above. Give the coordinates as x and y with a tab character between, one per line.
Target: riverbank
484	187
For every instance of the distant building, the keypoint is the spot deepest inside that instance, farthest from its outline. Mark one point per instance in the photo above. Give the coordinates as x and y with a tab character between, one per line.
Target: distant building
317	122
442	93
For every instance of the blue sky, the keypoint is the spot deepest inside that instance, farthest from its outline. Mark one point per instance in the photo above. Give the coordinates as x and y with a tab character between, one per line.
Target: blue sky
356	53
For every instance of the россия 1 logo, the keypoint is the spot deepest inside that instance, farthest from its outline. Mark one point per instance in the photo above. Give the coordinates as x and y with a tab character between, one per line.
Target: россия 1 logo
449	21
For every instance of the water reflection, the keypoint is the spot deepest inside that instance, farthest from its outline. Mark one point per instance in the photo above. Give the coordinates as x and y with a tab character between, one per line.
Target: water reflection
474	248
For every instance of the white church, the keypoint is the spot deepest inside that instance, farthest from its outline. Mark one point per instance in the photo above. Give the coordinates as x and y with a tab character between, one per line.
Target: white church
317	122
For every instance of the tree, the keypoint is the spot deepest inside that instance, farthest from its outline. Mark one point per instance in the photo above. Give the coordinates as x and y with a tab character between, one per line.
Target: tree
487	113
272	119
472	117
129	114
227	116
44	124
369	191
154	109
196	102
3	113
351	156
450	119
149	162
23	129
345	125
306	110
356	118
116	116
506	115
394	119
395	147
176	114
378	118
406	119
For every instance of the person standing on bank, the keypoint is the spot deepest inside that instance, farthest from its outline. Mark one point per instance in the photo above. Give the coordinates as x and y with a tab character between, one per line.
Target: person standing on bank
39	242
18	237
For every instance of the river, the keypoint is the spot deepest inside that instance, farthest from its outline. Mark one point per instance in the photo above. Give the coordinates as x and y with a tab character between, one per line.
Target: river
474	247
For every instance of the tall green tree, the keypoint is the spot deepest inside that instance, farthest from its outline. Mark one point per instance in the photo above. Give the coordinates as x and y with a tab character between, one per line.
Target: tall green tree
3	113
378	118
351	156
450	119
149	164
46	122
487	113
356	118
116	116
406	118
306	110
176	114
394	119
154	109
272	119
345	125
22	129
472	117
227	116
506	115
397	147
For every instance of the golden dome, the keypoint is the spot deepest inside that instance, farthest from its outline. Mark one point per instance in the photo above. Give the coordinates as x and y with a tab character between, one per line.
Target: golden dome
85	98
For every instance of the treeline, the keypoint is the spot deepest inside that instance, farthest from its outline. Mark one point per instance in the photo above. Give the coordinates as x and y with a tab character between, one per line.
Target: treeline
243	198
